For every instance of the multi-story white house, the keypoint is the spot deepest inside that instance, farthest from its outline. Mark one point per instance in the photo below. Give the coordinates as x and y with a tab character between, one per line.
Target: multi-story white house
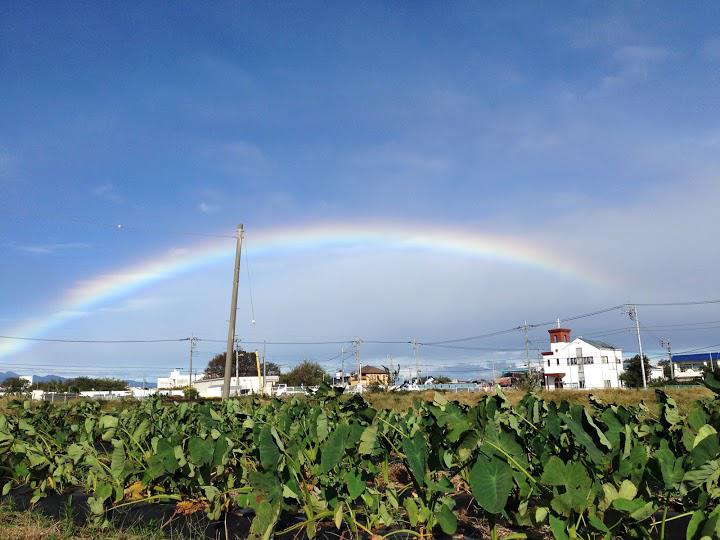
177	379
692	366
580	362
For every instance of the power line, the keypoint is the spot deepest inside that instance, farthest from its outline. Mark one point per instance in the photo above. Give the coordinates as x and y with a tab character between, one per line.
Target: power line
115	341
686	303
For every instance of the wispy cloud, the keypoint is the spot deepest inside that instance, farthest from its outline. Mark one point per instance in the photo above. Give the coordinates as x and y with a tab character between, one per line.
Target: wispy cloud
108	192
43	249
207	208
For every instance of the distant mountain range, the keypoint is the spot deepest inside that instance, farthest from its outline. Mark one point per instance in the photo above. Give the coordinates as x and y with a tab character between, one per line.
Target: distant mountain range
49	378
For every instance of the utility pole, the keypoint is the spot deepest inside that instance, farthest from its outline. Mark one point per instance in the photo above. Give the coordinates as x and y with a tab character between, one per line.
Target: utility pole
342	364
665	344
527	351
416	356
233	313
193	345
264	366
356	350
633	314
260	377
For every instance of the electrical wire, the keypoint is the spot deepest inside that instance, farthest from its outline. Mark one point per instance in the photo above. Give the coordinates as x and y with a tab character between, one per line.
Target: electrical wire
114	341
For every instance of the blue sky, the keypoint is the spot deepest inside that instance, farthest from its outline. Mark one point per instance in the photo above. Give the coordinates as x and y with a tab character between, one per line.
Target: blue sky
590	130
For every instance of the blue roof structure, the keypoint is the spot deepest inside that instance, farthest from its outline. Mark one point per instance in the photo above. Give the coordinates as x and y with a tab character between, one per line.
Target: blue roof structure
696	357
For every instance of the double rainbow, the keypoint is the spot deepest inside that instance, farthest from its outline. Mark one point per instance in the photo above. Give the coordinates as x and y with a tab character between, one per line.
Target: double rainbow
104	288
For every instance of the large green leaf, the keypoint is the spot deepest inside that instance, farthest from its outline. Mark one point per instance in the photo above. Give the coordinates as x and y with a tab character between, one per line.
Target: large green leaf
269	452
491	483
201	450
117	464
415	452
559	528
355	484
553	472
368	440
447	520
334	448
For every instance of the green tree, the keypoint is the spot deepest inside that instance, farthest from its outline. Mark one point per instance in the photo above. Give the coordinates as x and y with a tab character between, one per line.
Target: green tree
82	384
632	376
190	393
14	385
305	374
442	379
246	364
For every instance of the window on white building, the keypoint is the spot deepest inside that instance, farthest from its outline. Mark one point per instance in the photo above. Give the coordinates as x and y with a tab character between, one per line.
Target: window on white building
608	384
604	359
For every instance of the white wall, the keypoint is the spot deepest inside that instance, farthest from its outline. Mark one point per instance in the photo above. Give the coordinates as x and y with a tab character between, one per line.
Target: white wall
240	385
177	379
603	372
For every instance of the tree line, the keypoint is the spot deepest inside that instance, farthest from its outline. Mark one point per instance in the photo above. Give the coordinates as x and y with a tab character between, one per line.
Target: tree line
16	385
307	373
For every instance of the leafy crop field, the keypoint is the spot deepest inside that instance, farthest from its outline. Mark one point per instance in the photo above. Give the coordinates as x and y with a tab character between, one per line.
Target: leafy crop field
334	465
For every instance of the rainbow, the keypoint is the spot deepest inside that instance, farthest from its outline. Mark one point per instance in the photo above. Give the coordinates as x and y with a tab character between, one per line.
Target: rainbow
105	288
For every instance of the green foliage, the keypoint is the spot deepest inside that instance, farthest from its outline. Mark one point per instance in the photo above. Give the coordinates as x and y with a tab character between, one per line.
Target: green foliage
632	376
82	384
190	392
14	385
605	471
305	374
246	365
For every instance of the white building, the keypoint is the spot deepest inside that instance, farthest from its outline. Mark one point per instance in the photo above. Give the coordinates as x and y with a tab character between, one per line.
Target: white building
687	367
177	379
657	373
212	387
208	388
580	362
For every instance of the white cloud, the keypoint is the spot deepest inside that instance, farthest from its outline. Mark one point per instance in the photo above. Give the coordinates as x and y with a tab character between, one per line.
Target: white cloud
108	192
207	208
42	249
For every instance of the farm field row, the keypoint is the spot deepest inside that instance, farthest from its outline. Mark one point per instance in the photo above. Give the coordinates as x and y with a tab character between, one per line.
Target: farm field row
336	463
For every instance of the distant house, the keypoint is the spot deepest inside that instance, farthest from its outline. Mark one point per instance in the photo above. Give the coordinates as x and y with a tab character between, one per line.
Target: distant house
175	380
580	362
687	367
657	373
212	387
371	375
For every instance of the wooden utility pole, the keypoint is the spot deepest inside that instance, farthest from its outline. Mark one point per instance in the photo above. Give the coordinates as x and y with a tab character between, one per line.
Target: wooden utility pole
233	313
527	350
193	344
260	377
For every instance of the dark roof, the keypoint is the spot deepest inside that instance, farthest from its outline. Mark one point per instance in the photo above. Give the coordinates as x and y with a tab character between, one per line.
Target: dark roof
599	344
372	370
696	357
